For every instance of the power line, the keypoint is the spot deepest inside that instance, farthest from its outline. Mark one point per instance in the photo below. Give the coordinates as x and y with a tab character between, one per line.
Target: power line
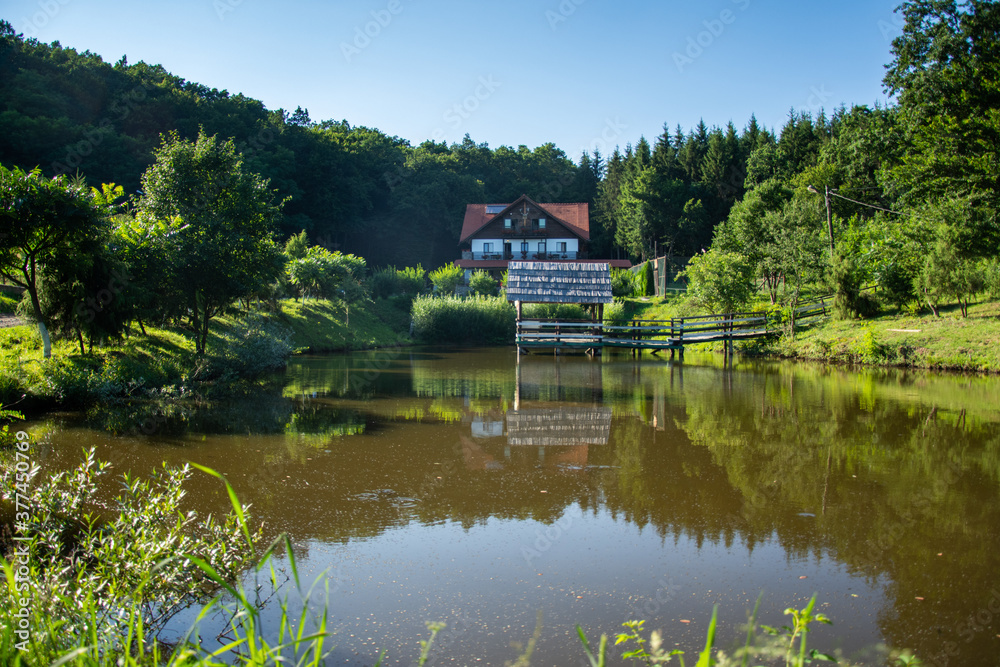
861	203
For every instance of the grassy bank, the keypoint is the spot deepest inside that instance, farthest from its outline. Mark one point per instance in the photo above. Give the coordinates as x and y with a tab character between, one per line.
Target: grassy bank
324	326
163	362
949	342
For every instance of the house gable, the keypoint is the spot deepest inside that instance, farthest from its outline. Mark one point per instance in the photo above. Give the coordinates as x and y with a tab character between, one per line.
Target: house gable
561	220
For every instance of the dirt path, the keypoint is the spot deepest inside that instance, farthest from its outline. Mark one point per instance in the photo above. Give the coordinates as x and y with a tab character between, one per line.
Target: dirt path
9	321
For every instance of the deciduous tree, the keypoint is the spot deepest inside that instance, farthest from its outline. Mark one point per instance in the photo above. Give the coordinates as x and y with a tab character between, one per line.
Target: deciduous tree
43	222
224	249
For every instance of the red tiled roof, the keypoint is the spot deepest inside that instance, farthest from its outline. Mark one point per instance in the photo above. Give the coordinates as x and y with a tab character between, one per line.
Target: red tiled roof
574	216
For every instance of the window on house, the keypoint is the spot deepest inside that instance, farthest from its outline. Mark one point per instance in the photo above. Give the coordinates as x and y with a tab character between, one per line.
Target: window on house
507	223
487	247
524	246
541	246
541	223
561	246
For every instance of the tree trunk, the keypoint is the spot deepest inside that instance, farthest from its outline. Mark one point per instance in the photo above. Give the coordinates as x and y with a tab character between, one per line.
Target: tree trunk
204	318
79	337
36	308
196	324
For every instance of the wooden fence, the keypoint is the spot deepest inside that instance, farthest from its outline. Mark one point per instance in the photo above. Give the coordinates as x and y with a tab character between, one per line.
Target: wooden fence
673	334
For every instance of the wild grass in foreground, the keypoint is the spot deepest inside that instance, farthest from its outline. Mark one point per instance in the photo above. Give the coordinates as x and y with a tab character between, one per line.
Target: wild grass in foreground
84	589
786	645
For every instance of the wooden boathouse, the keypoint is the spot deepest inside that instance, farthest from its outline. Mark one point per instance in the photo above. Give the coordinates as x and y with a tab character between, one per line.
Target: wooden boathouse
586	284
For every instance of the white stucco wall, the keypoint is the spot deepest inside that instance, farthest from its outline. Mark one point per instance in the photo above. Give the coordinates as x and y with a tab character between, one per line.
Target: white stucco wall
552	244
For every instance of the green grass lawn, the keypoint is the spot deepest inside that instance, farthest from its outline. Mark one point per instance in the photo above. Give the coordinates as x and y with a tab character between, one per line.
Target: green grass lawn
949	342
8	304
324	326
920	341
164	358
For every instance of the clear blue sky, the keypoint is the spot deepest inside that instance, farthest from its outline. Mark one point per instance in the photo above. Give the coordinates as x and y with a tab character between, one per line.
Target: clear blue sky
579	73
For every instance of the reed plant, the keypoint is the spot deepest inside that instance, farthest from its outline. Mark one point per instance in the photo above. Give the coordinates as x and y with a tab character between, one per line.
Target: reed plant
479	320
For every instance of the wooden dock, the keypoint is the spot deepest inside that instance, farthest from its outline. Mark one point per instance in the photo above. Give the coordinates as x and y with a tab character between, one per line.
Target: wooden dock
653	335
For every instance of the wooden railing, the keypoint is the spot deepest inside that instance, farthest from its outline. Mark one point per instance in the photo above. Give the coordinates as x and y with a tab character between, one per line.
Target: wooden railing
652	334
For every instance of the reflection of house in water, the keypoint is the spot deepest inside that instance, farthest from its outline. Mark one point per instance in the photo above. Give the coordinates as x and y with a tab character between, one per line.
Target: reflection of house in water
561	435
559	427
483	427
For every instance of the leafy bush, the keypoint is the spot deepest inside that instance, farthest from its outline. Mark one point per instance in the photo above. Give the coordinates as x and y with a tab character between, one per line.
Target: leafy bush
297	245
412	279
624	283
446	278
559	311
614	313
390	281
381	283
476	320
849	300
896	282
991	278
721	282
326	274
8	304
111	578
482	283
867	349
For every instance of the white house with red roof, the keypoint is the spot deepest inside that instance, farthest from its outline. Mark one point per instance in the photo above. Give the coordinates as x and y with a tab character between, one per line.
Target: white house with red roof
495	234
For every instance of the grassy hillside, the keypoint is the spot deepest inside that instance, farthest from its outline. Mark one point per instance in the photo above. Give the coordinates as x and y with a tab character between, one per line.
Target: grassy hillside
163	361
324	326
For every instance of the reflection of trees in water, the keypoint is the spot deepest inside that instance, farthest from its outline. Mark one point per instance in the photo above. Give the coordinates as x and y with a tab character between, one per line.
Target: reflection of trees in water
357	376
881	470
891	484
261	412
320	422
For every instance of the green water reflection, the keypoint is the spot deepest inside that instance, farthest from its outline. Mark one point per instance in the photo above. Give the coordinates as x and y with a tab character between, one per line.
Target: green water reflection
885	478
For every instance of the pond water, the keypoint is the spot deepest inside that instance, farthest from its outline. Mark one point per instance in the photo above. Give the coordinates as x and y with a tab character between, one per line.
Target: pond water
486	492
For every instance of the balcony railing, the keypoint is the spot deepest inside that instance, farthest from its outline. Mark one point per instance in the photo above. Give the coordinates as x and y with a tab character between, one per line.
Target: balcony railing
529	255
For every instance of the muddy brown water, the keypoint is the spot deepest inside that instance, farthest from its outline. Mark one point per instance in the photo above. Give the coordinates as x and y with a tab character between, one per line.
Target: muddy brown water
467	487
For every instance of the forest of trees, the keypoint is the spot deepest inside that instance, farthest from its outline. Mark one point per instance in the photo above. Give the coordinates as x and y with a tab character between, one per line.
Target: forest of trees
351	187
913	187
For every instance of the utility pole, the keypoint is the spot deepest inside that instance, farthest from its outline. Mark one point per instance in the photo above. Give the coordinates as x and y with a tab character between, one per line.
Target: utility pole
829	218
829	213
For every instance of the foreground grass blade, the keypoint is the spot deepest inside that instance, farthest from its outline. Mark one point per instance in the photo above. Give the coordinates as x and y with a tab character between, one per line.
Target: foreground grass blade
751	627
602	649
705	659
237	507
